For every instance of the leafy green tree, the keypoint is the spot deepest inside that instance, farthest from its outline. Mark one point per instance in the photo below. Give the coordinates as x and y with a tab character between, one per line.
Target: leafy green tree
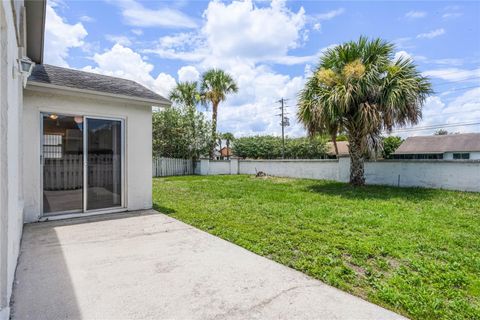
179	133
186	97
361	88
270	147
390	144
441	132
216	84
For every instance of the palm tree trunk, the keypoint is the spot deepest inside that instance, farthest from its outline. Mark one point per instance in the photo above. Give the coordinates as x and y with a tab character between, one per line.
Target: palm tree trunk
357	177
334	141
214	129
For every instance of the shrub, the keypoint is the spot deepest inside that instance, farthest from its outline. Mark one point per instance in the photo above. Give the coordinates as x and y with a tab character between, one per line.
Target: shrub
270	147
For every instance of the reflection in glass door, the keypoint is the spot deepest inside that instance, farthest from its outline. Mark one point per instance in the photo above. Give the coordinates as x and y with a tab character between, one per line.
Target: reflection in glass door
62	148
82	163
103	163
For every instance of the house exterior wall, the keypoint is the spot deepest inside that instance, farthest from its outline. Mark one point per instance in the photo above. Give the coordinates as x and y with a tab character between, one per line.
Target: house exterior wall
138	142
473	155
11	203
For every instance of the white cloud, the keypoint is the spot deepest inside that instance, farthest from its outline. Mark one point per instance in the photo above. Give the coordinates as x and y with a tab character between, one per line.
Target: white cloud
452	74
432	34
135	14
137	32
60	36
330	14
451	12
188	73
241	29
451	15
402	54
123	62
463	109
415	14
123	40
317	26
86	18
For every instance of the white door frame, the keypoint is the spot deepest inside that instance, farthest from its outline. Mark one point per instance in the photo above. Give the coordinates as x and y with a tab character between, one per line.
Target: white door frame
84	211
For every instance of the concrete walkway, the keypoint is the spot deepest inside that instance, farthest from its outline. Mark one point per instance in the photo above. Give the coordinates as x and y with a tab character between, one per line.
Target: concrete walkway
146	265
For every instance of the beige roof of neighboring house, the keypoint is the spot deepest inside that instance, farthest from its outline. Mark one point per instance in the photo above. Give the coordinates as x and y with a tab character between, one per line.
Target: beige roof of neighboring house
464	142
342	148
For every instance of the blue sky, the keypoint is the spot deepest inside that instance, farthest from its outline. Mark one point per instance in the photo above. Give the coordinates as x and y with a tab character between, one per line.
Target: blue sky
270	49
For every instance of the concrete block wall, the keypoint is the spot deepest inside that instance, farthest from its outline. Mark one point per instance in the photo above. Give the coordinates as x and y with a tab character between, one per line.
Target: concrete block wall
444	174
310	169
463	175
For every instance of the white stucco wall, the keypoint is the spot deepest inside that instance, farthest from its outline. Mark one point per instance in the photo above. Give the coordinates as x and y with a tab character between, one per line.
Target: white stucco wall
11	202
219	167
138	144
461	175
310	169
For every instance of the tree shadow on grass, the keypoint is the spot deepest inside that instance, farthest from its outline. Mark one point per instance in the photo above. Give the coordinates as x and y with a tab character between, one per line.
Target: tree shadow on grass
377	192
162	209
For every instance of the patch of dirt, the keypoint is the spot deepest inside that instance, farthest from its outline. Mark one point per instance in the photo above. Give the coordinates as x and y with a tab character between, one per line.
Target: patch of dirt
360	271
394	263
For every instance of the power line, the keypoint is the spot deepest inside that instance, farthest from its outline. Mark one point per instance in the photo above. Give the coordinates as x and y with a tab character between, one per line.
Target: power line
437	126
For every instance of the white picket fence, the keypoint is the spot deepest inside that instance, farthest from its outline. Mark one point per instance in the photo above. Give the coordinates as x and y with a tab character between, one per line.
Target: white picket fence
66	173
164	167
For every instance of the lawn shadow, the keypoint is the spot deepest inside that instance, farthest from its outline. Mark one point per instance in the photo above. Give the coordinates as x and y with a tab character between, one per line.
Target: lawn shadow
378	192
162	209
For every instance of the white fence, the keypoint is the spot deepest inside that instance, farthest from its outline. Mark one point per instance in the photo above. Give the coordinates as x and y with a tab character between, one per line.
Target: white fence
461	175
66	173
164	167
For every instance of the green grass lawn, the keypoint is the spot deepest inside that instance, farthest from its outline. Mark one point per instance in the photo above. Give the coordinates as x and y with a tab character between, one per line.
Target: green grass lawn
414	251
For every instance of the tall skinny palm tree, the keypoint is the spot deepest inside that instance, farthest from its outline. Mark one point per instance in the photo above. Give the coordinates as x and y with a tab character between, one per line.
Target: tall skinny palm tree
358	87
215	86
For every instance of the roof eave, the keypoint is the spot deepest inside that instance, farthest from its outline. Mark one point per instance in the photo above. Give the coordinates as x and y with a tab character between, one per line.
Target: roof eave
35	20
46	86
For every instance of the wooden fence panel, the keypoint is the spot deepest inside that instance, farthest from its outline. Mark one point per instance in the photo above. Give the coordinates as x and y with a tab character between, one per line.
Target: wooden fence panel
164	167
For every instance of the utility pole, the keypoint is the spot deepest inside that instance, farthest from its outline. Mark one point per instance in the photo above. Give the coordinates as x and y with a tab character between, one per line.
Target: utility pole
284	122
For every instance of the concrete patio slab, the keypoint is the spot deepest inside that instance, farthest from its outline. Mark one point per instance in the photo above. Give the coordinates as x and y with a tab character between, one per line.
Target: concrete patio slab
146	265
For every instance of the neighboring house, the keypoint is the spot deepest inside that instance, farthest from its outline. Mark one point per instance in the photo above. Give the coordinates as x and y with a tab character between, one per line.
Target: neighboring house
342	149
226	152
72	143
221	151
463	146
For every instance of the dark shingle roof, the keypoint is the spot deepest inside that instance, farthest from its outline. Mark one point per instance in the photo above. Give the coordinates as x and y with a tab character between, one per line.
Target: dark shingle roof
439	144
76	79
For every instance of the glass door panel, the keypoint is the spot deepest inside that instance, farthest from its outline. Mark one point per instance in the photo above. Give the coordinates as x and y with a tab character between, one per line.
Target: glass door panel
104	163
62	150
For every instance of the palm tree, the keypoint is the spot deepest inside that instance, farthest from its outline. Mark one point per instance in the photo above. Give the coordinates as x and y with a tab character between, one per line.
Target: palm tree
185	94
215	86
228	137
359	88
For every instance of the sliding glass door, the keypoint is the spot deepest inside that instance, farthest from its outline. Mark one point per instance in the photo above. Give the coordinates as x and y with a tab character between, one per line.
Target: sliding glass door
82	161
104	163
62	163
